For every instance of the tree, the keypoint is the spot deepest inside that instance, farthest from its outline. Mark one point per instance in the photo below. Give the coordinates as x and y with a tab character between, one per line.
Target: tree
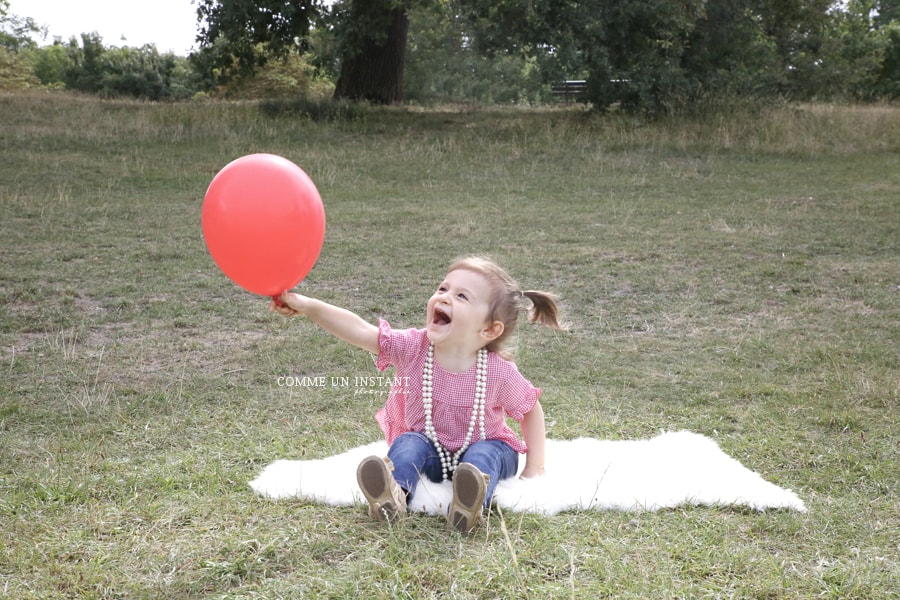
630	52
239	35
887	21
85	69
138	73
16	31
50	64
15	42
443	65
658	55
92	67
236	36
373	36
643	55
729	54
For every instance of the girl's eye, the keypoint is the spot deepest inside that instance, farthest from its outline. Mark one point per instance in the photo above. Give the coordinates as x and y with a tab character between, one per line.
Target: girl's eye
462	296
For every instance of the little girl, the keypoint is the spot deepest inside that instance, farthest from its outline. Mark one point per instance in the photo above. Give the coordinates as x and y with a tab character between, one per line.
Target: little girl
444	417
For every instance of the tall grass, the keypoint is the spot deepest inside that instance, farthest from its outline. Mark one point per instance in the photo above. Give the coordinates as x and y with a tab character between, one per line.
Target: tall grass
736	275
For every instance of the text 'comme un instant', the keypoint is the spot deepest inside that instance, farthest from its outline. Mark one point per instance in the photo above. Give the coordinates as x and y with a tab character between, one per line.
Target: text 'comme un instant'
379	383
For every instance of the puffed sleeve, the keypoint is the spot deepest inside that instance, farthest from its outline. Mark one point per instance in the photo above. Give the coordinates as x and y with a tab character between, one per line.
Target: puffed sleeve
517	395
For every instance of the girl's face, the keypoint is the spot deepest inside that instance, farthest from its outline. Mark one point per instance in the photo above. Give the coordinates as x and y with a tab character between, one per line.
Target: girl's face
458	311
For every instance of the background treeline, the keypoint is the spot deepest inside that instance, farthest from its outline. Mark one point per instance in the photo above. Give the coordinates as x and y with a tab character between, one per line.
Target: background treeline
647	55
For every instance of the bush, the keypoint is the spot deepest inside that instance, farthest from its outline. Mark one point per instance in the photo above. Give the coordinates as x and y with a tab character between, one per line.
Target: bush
15	71
288	78
93	68
138	73
50	64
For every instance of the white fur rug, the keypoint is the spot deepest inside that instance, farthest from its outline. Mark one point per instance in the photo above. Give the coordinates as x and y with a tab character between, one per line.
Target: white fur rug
672	469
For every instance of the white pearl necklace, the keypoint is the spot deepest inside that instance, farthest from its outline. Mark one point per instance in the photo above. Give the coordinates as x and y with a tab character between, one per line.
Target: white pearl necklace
448	462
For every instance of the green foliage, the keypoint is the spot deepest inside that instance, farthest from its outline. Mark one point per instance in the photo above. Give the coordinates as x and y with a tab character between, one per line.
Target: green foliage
654	56
648	57
291	76
887	79
443	67
630	52
870	34
16	31
85	70
238	36
635	58
92	67
137	73
15	71
50	65
15	45
729	54
372	36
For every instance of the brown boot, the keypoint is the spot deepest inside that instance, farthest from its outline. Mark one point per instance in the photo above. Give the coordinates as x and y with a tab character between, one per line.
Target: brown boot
386	499
469	489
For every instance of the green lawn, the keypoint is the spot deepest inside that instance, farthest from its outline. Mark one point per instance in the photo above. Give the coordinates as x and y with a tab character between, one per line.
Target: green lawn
737	276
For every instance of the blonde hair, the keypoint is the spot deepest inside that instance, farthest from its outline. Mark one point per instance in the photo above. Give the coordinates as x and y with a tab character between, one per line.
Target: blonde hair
508	301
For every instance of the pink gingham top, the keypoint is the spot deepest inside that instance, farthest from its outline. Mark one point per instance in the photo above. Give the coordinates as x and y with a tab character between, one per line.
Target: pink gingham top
452	396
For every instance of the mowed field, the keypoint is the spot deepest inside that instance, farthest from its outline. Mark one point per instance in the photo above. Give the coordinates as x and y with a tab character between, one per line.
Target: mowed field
737	276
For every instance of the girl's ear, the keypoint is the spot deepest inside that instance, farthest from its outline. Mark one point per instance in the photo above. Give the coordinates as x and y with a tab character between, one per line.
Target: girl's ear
493	330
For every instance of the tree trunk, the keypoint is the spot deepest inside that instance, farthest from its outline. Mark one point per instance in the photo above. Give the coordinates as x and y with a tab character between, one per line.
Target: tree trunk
372	67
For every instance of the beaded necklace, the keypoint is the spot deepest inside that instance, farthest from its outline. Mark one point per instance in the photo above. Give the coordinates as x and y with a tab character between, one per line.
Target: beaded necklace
448	462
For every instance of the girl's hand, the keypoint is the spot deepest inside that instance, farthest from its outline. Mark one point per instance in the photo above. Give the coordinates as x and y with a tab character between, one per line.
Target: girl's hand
288	304
529	472
339	322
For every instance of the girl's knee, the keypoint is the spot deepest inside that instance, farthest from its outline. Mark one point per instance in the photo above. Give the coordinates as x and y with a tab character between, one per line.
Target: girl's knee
494	458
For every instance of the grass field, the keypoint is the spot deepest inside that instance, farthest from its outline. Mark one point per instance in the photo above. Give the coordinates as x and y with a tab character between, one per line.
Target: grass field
738	277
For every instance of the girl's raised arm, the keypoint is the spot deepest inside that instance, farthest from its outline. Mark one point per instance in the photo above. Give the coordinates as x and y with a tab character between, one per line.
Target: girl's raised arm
339	322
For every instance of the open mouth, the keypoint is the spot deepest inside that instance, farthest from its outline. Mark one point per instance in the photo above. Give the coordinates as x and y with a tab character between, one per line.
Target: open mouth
440	317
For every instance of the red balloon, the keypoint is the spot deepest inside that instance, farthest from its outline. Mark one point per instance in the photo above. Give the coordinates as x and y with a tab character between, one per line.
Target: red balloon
263	223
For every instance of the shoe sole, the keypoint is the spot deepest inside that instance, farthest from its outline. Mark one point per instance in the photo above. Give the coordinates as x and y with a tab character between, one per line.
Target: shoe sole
469	489
372	476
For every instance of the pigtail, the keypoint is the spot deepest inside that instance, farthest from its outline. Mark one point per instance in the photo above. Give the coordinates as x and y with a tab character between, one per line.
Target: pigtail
508	302
544	309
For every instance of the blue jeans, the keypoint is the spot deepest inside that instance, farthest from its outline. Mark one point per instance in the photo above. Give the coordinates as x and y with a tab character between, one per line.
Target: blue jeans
413	453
